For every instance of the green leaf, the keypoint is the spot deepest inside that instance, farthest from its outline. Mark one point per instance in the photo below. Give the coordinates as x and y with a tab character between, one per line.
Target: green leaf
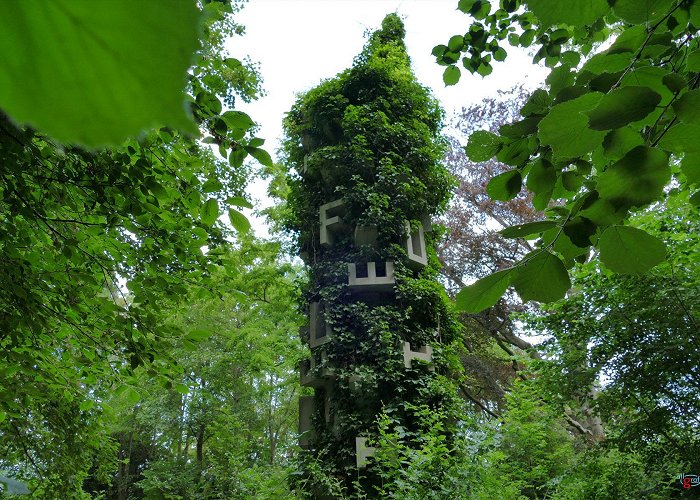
451	75
520	128
456	43
212	185
559	78
500	54
607	63
690	166
96	73
566	129
484	69
237	156
130	395
182	388
86	405
483	145
209	212
637	179
674	82
200	233
538	103
237	119
622	106
239	201
466	5
197	335
261	155
484	292
641	11
687	107
692	63
542	177
628	250
579	230
505	186
571	12
682	138
620	141
527	229
541	276
239	221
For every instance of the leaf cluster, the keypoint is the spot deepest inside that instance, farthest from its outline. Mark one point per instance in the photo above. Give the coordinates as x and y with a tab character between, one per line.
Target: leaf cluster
600	142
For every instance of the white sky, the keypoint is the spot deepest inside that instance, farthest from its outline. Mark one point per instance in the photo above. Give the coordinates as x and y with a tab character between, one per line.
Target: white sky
298	43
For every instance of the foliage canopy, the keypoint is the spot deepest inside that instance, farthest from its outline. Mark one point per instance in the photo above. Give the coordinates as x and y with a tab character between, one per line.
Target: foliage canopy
602	141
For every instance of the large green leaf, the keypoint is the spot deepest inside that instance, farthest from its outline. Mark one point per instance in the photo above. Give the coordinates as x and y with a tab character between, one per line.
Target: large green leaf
620	141
239	221
505	186
628	250
641	11
607	63
541	276
451	75
690	166
483	293
622	106
94	73
637	179
687	108
483	145
566	129
573	12
260	154
682	138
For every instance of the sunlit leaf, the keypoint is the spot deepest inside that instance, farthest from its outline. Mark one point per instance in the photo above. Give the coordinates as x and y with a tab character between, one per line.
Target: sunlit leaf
484	292
572	12
238	220
566	129
95	74
483	145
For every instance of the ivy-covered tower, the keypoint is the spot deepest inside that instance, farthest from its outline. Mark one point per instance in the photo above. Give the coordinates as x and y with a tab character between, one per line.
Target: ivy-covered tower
363	151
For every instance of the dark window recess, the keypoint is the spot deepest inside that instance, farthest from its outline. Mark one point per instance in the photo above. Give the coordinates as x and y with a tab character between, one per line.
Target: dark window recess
381	269
321	329
415	244
361	270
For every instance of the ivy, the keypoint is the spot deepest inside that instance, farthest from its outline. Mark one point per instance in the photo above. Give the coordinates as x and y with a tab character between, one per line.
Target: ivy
370	136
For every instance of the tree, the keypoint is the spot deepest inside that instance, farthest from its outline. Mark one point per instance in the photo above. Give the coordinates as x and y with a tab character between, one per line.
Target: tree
473	247
77	225
602	141
369	136
636	334
225	426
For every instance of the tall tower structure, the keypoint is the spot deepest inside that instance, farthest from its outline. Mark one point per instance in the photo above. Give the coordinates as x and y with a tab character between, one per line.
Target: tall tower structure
364	155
